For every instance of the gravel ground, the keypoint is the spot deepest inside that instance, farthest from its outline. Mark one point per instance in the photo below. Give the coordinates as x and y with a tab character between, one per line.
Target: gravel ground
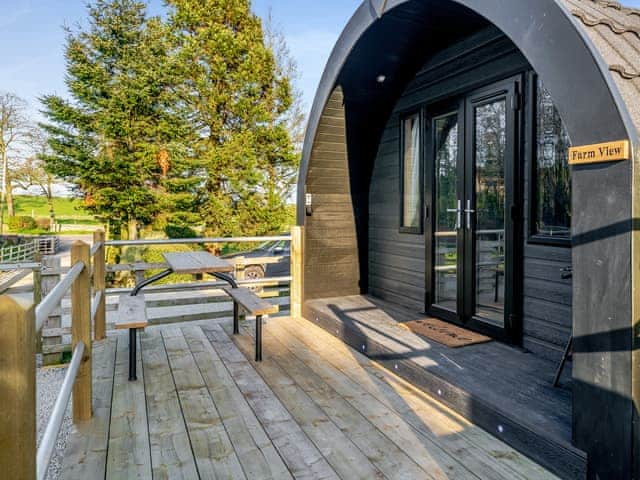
49	382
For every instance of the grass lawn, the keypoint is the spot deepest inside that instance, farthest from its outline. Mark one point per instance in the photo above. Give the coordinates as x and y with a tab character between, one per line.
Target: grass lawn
66	209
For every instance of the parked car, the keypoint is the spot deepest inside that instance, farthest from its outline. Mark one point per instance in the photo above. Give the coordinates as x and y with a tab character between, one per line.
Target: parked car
257	270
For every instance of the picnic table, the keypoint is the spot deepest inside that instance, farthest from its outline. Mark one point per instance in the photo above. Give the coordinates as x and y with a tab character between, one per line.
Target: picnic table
180	263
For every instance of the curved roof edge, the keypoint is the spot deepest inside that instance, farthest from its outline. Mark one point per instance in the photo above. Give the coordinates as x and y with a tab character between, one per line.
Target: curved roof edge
580	40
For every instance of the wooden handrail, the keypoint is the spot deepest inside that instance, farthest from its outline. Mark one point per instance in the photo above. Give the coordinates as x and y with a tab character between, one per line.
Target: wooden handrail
19	325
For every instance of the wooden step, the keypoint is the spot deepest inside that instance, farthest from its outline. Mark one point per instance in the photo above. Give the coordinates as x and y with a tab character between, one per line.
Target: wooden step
554	453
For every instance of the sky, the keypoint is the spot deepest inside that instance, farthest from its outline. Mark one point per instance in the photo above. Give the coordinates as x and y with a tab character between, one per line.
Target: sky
32	40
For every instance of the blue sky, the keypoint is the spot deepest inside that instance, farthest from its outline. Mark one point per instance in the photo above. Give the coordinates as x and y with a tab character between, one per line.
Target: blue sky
32	40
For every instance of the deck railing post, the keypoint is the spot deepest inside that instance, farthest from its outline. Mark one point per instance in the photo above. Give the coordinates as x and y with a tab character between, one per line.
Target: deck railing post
81	331
99	285
297	270
17	389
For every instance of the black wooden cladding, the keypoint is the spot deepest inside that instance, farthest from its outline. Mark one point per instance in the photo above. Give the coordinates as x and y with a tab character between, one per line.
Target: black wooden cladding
483	58
331	245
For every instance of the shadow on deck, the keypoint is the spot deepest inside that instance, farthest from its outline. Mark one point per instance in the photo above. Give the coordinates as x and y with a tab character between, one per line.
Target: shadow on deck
505	390
314	408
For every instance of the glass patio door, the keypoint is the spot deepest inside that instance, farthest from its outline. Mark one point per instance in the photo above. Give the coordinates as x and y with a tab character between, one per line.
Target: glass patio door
473	183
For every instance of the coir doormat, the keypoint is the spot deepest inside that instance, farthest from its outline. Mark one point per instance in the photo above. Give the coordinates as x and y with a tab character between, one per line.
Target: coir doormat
444	333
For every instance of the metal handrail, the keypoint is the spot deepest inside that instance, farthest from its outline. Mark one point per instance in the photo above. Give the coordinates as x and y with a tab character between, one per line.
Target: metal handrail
50	302
43	457
182	241
94	248
95	302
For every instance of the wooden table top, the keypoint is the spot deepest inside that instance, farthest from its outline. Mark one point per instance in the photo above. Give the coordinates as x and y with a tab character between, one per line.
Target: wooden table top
196	262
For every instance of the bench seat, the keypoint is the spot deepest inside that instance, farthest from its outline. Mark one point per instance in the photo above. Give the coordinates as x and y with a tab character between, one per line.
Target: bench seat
250	302
253	305
132	312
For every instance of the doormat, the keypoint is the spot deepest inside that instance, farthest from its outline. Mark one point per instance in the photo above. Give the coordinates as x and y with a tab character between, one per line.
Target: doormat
444	333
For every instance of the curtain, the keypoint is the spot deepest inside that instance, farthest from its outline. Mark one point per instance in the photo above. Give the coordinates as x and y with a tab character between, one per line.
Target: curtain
411	207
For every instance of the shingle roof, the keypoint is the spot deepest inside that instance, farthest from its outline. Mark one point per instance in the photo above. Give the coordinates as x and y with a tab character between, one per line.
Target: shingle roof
615	31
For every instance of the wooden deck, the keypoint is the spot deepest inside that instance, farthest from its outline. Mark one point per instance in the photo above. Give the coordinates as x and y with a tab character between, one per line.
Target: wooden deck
505	390
314	408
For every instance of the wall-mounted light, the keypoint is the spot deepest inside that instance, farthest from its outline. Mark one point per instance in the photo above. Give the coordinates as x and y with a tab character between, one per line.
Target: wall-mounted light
381	78
308	203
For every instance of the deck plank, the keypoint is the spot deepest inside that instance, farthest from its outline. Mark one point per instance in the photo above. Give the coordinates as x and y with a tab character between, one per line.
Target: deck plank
212	449
491	457
343	398
389	460
299	453
343	454
128	454
86	452
171	455
256	453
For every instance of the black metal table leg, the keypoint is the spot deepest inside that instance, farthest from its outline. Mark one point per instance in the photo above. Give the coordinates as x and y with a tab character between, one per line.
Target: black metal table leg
258	338
225	278
133	345
236	318
236	314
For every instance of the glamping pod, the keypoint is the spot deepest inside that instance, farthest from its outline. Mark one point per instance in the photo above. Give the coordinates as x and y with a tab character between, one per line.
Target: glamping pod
468	192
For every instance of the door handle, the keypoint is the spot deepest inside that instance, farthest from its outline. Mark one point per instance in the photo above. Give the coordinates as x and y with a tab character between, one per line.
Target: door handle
469	211
458	212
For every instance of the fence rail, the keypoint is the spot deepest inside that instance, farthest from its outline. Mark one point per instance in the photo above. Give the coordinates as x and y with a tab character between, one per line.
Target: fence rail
26	252
21	323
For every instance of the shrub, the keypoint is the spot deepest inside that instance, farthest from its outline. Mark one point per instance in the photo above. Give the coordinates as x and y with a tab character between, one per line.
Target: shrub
44	223
22	222
179	231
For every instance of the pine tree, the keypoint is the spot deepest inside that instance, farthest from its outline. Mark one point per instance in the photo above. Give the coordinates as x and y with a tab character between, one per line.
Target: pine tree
238	99
121	140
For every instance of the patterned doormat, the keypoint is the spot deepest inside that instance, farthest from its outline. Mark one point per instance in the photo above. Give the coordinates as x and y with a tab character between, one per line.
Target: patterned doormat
444	332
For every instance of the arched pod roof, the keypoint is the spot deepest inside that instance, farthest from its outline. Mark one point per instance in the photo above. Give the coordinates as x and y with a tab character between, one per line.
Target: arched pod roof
586	51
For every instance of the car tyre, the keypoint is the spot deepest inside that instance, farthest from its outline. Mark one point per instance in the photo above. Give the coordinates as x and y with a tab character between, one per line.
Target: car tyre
254	272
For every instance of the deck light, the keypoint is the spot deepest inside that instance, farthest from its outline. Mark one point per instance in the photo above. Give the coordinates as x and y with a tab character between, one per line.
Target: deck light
381	78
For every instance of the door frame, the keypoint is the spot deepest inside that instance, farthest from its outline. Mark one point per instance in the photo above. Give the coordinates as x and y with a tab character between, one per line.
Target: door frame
512	89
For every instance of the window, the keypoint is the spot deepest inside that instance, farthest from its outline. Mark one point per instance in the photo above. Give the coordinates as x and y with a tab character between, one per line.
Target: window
552	177
411	176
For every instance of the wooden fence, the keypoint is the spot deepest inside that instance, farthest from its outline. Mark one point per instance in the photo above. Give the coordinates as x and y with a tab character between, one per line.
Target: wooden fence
27	251
21	322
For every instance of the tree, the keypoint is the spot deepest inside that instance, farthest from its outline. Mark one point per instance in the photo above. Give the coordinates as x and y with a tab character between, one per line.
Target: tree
120	139
32	171
14	130
239	99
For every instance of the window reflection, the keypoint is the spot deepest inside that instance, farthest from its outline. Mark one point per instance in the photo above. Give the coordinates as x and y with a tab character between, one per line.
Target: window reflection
552	201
